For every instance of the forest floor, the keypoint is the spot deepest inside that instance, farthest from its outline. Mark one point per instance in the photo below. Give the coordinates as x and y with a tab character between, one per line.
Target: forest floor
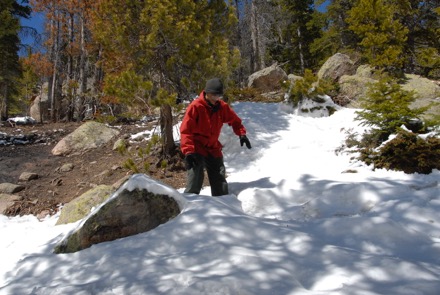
53	187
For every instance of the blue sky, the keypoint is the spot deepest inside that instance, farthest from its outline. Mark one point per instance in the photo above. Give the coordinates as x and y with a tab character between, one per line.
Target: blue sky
35	21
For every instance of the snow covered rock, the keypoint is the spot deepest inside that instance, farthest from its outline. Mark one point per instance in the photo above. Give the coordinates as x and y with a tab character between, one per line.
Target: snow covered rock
81	207
140	205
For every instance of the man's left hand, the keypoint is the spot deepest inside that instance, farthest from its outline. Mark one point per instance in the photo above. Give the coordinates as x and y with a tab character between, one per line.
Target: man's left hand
245	140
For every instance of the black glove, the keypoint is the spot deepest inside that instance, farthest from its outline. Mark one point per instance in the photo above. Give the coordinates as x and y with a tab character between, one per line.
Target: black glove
244	139
190	161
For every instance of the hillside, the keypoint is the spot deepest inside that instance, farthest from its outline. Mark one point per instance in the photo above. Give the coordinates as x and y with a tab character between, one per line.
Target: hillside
54	187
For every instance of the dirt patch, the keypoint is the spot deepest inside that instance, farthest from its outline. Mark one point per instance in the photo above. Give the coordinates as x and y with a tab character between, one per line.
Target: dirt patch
53	187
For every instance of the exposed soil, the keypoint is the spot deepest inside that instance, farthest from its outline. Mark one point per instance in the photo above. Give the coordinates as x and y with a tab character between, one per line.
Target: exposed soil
53	187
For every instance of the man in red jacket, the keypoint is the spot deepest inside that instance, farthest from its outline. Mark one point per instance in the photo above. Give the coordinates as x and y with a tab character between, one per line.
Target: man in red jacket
199	134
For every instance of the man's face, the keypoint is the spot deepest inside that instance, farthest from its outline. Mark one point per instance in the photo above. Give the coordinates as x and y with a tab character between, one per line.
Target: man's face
213	98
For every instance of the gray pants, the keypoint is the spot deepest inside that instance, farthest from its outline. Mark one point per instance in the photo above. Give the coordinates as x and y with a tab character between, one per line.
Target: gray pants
216	171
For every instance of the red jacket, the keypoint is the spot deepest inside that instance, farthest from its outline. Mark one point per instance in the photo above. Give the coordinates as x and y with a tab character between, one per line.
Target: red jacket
201	127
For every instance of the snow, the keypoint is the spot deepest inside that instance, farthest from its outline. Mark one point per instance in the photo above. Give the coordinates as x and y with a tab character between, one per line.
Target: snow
301	219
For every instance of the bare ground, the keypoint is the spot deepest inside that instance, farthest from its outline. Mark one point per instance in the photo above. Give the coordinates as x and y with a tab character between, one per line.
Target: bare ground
53	187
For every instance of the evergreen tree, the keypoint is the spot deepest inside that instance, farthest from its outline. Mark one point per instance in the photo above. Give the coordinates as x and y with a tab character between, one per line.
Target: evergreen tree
336	35
387	108
293	46
422	19
168	47
10	70
382	36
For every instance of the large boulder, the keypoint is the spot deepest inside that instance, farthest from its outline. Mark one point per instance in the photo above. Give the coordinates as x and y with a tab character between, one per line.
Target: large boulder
355	87
426	92
423	87
141	204
337	66
268	79
81	207
39	109
90	135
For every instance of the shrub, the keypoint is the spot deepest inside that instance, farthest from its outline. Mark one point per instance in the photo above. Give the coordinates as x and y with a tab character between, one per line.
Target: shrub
409	153
387	108
309	87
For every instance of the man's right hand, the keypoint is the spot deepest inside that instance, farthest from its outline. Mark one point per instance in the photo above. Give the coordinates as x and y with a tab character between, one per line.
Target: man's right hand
190	161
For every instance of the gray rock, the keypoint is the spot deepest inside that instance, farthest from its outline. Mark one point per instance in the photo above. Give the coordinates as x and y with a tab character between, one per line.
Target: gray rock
27	176
353	88
10	188
336	66
426	92
131	210
80	207
293	78
120	144
7	200
90	135
66	167
268	79
39	109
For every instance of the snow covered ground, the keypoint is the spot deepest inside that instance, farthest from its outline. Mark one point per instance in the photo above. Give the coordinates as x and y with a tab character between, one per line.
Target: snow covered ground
298	221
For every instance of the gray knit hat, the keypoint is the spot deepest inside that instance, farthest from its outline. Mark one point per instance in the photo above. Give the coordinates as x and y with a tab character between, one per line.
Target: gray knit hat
214	86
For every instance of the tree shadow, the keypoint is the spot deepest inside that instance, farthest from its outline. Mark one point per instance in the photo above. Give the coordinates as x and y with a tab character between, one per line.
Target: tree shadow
212	246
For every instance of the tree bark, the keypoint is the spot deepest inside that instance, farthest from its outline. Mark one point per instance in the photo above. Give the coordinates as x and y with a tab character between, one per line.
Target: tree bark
300	49
5	109
166	129
79	103
254	36
56	52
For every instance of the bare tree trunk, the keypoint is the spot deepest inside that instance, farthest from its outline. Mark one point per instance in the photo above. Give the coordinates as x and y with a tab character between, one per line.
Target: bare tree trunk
5	108
79	103
300	48
166	128
70	75
56	52
238	39
52	92
40	105
254	37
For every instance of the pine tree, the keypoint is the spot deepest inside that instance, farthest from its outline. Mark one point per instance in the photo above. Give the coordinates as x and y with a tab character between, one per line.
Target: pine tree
422	49
10	70
382	36
336	35
294	46
387	108
170	47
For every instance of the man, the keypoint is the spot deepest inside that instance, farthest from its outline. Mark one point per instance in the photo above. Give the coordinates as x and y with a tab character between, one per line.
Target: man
199	134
